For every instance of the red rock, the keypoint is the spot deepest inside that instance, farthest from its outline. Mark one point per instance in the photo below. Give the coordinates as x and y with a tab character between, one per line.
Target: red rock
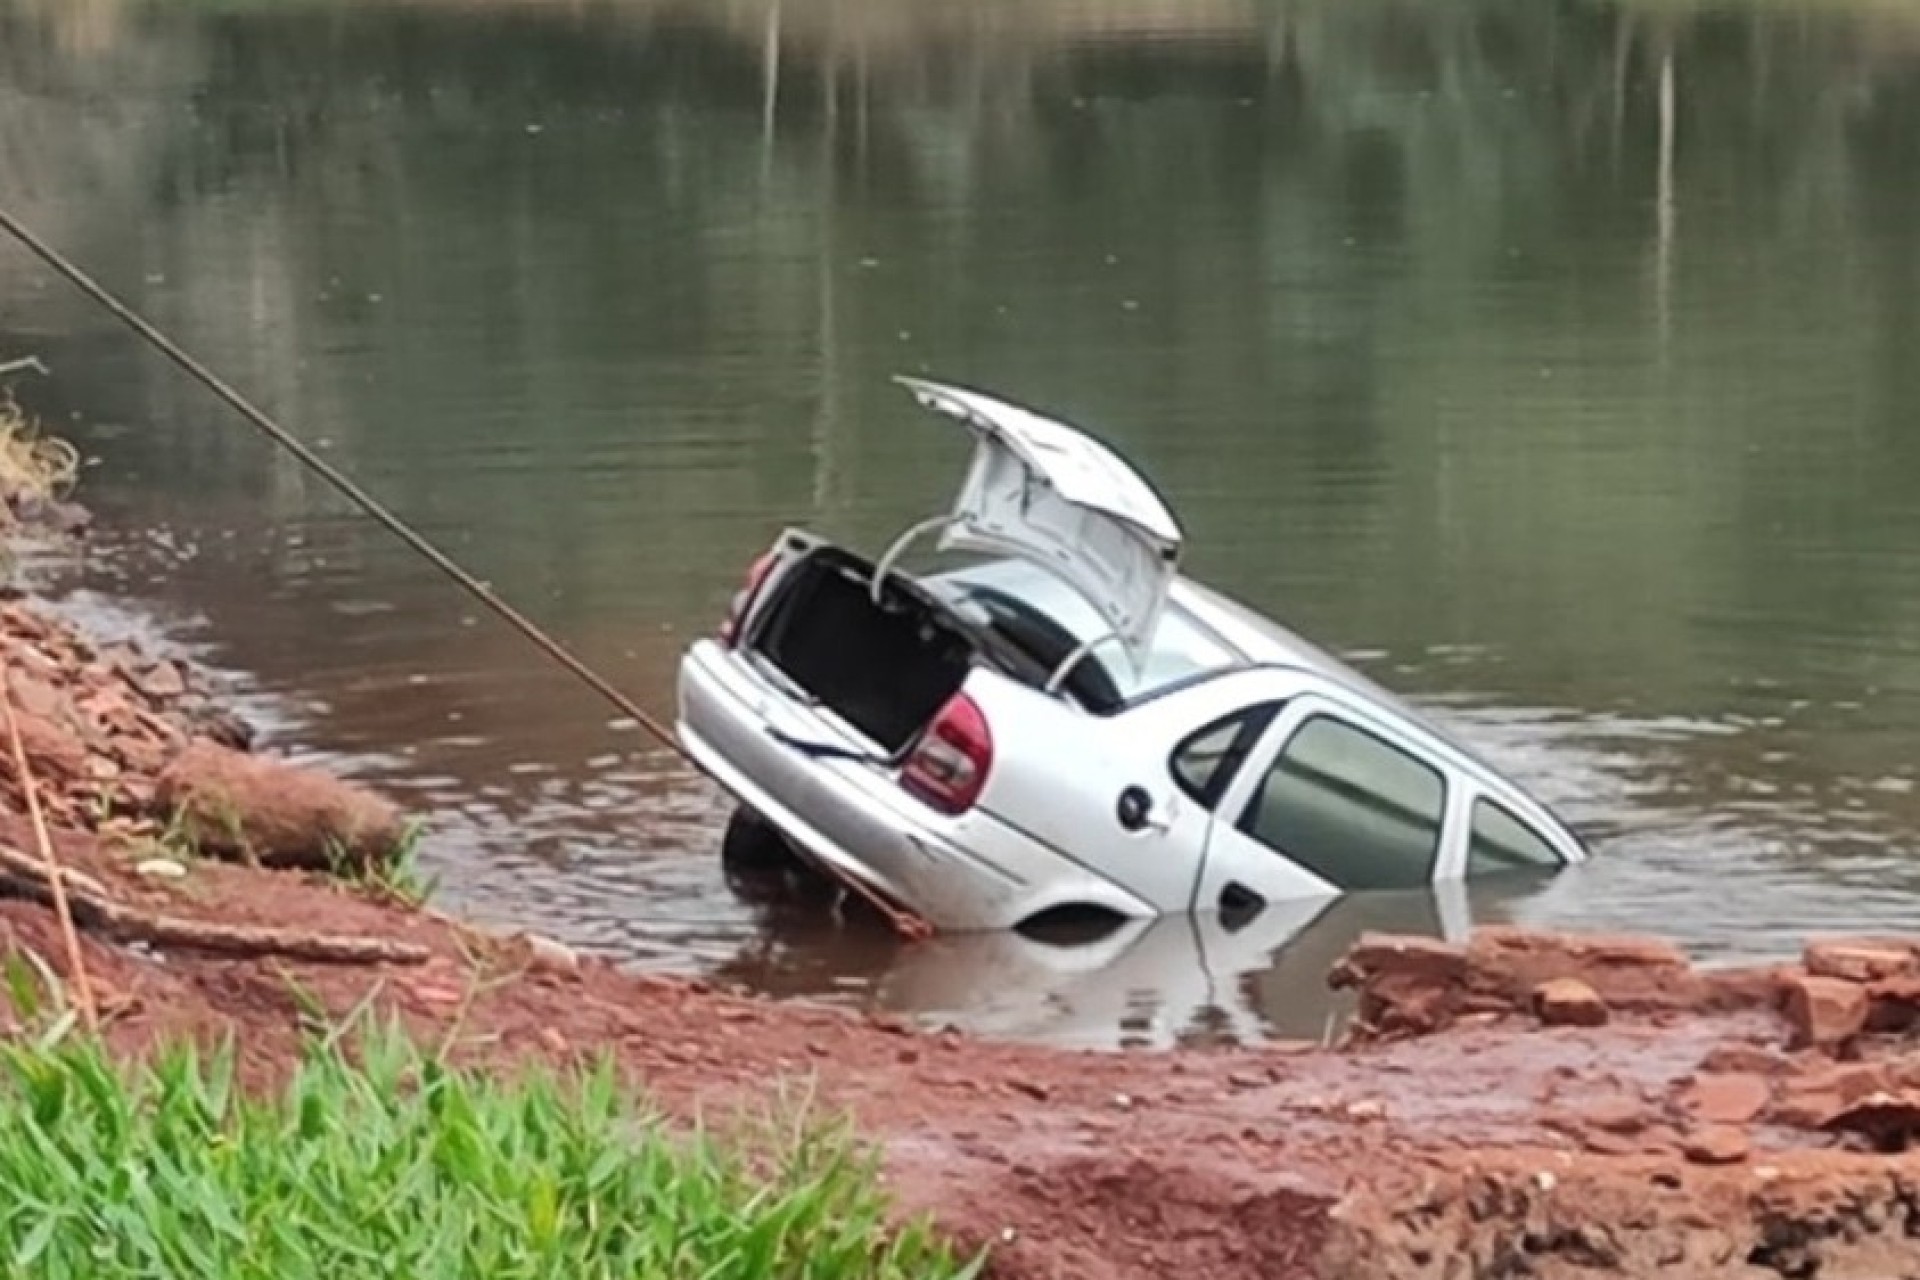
1824	1012
1727	1099
1806	1110
140	754
1858	960
1604	1143
1660	1139
1890	1119
1406	1004
548	955
35	697
161	682
215	725
1715	1144
1625	950
53	754
1893	1004
1568	1002
1742	1059
1618	1114
1812	1099
1734	990
1372	954
238	805
121	657
1853	1081
1482	1008
1625	971
1410	985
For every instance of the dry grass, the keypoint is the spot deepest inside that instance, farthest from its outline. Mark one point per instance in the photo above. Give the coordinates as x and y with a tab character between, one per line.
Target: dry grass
32	463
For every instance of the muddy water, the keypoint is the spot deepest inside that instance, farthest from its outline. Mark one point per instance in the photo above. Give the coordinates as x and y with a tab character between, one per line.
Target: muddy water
1560	362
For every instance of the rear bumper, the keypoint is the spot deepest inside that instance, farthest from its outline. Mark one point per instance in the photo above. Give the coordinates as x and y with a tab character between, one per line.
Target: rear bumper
967	872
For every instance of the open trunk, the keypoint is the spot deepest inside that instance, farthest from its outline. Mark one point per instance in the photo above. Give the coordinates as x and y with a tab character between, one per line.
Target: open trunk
1037	491
886	668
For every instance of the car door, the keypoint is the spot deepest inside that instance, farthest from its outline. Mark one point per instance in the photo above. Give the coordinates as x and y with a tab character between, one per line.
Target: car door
1329	801
1208	766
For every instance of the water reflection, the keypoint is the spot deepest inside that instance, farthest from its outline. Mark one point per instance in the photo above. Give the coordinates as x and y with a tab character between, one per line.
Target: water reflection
1556	360
1136	983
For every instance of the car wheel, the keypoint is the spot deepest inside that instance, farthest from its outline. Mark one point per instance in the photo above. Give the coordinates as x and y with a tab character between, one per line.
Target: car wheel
760	865
751	843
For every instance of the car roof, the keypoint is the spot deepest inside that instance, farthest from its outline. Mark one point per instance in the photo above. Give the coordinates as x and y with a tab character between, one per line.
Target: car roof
1236	635
1261	641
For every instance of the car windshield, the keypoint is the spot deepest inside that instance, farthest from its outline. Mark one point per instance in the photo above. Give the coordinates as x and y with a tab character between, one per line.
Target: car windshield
1049	619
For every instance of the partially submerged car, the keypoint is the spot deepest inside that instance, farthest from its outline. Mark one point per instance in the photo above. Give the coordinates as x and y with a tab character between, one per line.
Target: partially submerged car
1063	724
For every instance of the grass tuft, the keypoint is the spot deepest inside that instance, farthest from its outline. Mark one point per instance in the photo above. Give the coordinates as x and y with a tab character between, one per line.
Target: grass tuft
32	464
387	1163
395	878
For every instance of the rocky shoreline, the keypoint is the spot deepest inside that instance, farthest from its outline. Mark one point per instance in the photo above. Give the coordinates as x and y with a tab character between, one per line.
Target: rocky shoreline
1520	1105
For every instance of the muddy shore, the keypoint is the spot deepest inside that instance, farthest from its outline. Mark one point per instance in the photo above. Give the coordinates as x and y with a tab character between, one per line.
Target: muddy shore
1521	1105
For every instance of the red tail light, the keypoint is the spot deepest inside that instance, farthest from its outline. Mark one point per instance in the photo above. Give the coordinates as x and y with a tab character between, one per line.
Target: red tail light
948	766
756	574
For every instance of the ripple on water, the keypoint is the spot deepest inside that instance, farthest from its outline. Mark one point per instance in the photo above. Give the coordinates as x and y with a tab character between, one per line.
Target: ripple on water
1646	538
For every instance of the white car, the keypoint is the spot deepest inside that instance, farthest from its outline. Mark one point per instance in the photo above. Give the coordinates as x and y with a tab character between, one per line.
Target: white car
1063	726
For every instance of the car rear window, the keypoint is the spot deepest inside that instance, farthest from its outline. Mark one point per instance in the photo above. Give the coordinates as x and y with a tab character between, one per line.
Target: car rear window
998	593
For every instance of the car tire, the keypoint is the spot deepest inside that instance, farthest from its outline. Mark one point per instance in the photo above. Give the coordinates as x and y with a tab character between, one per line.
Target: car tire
759	864
751	843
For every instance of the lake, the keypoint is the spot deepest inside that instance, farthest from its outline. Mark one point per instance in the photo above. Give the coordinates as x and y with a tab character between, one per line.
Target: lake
1559	363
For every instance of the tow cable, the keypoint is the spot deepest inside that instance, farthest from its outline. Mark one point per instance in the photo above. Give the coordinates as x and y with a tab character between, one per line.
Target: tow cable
907	923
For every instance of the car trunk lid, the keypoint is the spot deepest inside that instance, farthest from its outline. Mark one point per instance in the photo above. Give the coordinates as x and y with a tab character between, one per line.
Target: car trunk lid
1049	493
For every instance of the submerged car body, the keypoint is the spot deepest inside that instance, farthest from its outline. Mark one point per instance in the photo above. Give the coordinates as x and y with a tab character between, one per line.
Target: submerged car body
1065	723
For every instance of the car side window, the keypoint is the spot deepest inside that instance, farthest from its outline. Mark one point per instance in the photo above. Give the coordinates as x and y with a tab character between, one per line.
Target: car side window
1206	759
1350	807
1499	841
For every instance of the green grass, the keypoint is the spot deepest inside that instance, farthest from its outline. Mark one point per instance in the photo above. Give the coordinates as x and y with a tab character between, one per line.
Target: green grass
397	878
387	1163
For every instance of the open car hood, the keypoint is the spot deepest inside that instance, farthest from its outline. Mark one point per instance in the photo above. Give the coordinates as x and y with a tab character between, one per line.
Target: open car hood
1053	495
